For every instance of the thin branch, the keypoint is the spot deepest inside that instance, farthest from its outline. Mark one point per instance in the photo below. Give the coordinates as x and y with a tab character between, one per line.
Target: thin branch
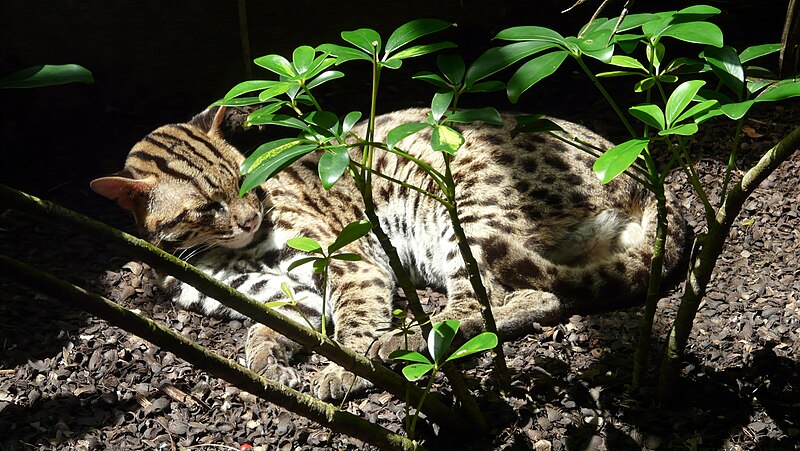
204	359
230	297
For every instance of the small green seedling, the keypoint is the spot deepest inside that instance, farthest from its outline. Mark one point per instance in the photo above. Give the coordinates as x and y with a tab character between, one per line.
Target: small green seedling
439	341
351	232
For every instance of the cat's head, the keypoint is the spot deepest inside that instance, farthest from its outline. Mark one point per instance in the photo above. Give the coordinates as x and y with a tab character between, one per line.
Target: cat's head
181	182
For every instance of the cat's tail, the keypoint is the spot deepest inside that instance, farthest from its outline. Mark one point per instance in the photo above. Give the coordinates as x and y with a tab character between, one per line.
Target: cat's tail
622	279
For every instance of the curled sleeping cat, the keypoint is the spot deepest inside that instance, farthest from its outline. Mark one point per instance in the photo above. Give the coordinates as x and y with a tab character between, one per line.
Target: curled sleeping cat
549	238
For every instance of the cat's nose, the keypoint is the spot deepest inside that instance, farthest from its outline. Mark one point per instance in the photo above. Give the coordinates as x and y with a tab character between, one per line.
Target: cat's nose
251	224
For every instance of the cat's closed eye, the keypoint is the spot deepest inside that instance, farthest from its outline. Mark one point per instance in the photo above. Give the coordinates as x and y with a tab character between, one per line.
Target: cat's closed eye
213	207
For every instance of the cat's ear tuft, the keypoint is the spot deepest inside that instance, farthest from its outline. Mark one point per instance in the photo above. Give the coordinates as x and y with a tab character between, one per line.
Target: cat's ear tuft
211	120
128	192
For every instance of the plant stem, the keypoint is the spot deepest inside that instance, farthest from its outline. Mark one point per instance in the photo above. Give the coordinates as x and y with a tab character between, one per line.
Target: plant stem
503	376
653	290
160	260
731	159
402	183
412	429
409	290
711	245
204	359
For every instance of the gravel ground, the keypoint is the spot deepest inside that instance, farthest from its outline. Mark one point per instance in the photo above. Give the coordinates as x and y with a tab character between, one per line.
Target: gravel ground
70	381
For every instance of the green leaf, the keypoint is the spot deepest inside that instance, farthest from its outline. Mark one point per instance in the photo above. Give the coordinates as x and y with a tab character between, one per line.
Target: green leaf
650	114
431	78
632	21
531	33
239	101
419	50
319	265
666	78
282	120
324	77
726	65
696	32
413	30
332	165
757	51
780	91
270	158
697	110
445	139
487	86
275	90
755	85
301	262
628	42
266	110
349	121
277	304
249	86
319	64
324	119
410	356
47	75
344	54
616	73
604	54
644	84
391	63
452	66
302	58
350	233
626	61
276	64
441	337
532	72
534	124
684	65
440	103
684	130
498	58
305	244
680	98
617	159
366	39
347	256
655	54
403	131
487	114
416	370
480	343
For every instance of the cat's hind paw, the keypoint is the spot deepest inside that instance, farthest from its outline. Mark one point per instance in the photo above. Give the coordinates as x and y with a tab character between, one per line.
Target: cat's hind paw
334	383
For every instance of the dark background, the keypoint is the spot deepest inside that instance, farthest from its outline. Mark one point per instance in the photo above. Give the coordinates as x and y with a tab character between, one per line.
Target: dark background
157	62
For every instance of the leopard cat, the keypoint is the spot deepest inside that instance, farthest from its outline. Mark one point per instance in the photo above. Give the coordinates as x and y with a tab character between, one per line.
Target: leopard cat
550	240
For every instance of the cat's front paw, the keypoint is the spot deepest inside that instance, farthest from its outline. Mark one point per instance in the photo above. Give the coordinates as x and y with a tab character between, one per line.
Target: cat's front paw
268	354
334	383
388	343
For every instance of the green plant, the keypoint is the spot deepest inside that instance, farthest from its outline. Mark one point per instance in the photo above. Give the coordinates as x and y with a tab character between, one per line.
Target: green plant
351	232
439	340
666	120
47	75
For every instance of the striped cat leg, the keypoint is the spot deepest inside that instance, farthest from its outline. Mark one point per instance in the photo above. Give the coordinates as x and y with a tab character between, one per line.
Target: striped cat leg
268	352
362	295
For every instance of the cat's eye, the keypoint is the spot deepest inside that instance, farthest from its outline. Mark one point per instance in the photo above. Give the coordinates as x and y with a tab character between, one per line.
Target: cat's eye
213	207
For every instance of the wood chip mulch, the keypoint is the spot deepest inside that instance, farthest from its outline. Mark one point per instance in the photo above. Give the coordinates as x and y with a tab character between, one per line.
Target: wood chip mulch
70	381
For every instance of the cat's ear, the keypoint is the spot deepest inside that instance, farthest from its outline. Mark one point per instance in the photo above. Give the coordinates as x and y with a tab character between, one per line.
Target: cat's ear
128	192
210	120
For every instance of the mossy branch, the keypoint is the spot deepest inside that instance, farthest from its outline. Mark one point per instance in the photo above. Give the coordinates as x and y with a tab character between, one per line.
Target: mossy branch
711	245
204	359
381	376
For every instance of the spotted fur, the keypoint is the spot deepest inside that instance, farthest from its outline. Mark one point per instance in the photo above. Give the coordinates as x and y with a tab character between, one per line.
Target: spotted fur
548	237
